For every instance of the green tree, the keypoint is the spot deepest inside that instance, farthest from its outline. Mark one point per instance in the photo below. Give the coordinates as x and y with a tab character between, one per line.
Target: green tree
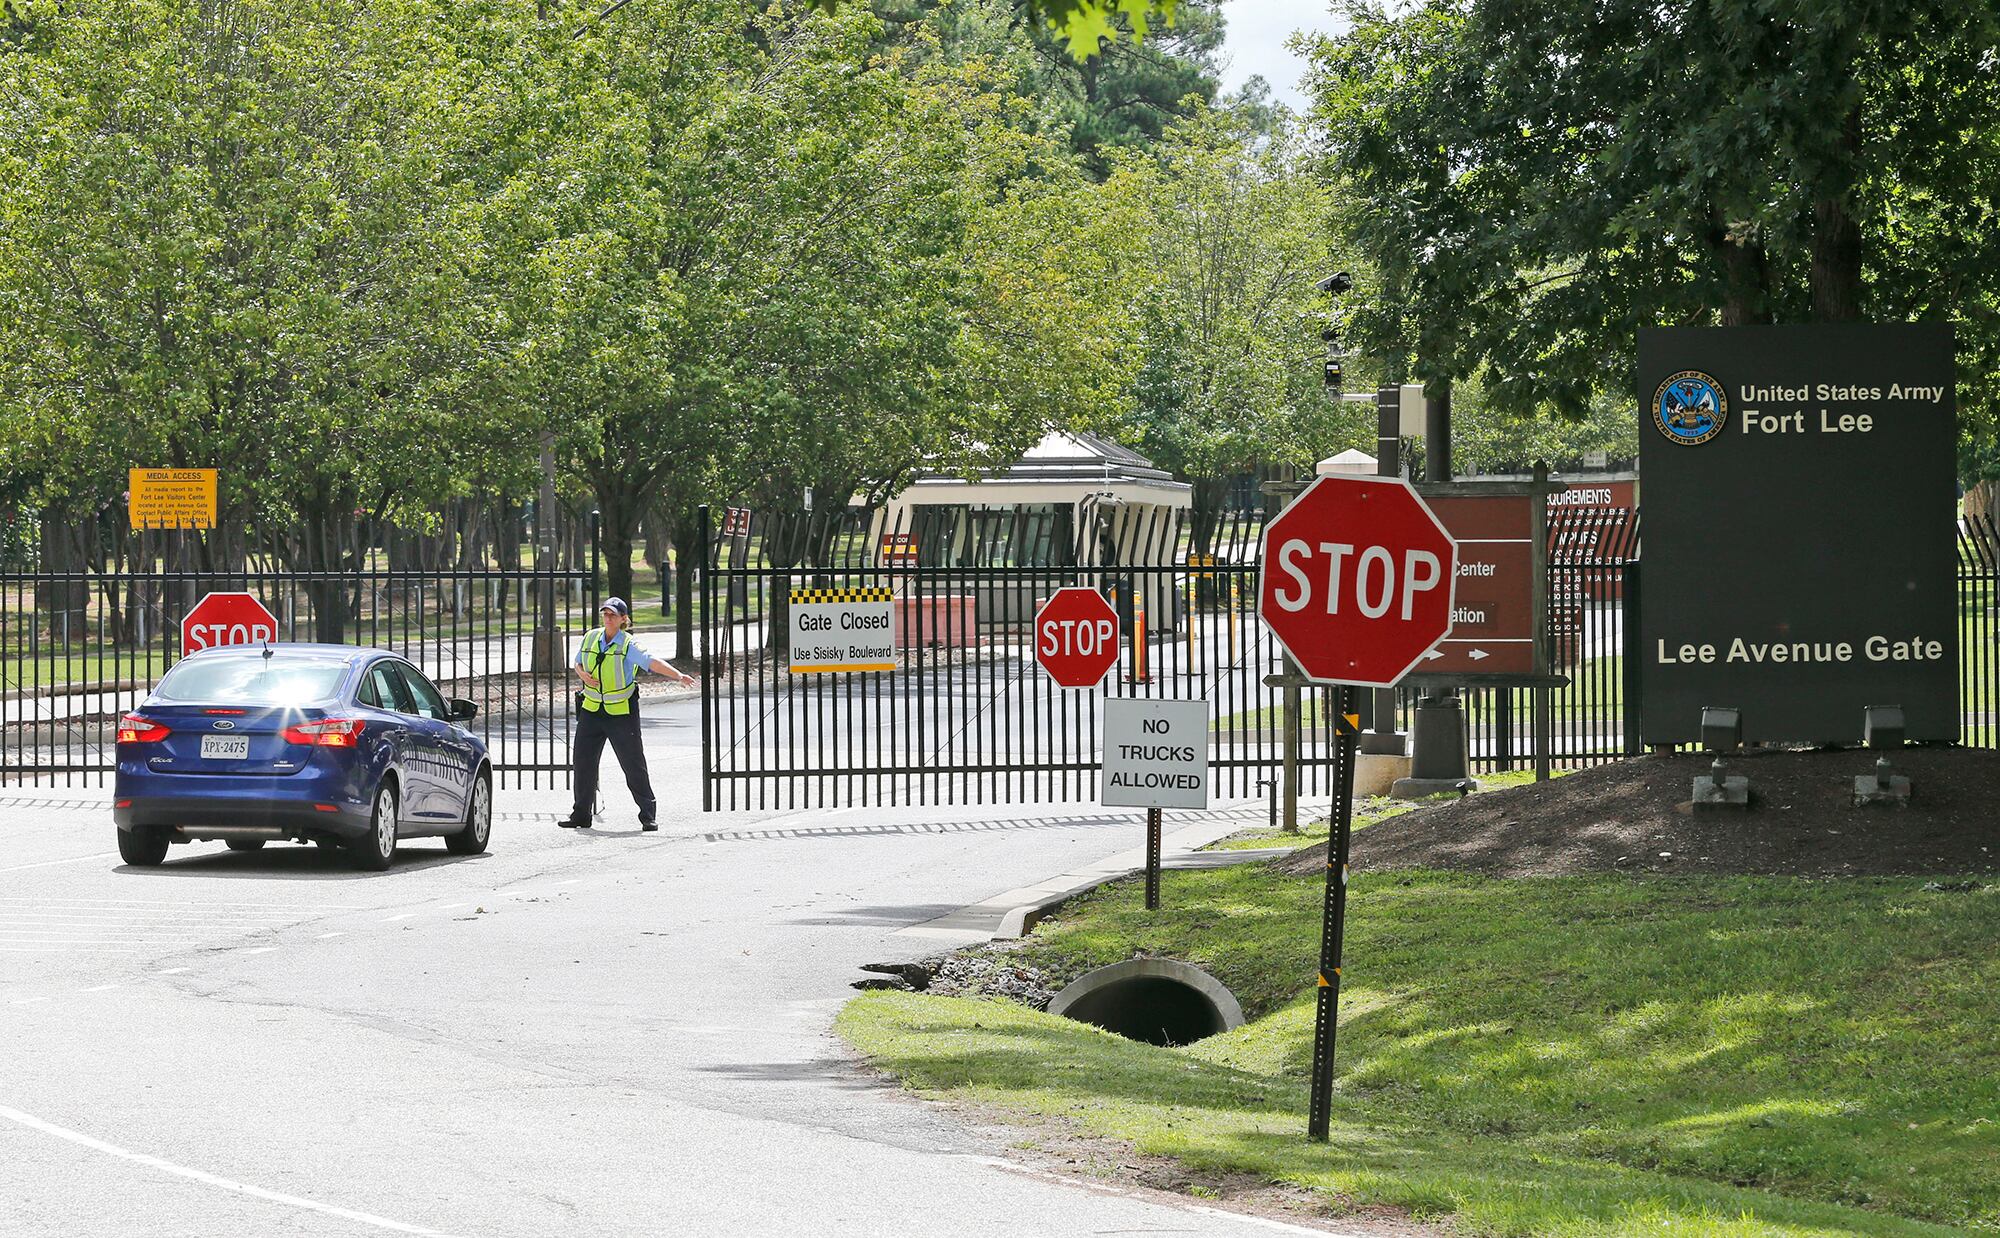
237	233
1121	93
1534	181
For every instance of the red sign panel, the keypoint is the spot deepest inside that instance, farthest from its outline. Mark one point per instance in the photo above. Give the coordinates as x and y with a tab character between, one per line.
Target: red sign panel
899	549
227	619
1357	580
1493	608
1076	637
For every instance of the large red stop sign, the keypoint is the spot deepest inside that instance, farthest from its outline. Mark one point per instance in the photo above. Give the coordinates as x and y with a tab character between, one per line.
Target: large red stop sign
1357	580
1076	637
227	619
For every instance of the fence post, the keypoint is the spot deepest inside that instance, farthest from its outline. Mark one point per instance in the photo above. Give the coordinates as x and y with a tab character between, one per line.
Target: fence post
597	555
1632	643
707	669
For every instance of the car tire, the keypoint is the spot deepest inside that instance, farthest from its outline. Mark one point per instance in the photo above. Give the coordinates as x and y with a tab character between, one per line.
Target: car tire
244	844
478	820
376	850
142	846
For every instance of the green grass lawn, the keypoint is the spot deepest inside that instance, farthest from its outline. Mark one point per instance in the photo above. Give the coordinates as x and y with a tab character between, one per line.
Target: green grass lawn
1583	1055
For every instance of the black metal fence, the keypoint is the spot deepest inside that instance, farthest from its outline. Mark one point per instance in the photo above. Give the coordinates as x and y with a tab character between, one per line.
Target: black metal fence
967	716
1590	553
79	648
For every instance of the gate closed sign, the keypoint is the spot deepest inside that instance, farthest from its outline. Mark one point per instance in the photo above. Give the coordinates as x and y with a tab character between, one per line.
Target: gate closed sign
842	630
1155	753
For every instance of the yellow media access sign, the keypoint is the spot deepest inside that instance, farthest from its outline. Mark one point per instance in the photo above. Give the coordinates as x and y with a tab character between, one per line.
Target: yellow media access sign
172	498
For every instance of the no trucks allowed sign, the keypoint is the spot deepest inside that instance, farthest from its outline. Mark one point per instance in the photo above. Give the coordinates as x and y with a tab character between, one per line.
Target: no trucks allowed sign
1155	753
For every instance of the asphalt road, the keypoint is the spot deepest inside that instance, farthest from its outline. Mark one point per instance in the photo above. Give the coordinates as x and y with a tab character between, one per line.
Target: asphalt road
601	1033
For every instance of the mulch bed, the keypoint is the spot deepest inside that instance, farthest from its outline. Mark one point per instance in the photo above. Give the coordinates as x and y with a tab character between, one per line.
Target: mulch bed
1633	816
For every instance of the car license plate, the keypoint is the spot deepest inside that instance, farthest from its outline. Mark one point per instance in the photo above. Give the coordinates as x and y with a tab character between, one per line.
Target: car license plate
225	747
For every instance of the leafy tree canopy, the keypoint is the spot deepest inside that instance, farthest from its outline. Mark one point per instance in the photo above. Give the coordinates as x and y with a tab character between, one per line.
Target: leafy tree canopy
1533	181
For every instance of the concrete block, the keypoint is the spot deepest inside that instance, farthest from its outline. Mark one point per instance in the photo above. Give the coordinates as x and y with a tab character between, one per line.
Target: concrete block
1869	792
1419	788
1375	772
1732	795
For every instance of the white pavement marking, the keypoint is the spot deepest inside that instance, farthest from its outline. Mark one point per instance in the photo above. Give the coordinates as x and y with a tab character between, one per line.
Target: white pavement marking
98	1145
258	950
392	919
29	1001
75	859
173	971
99	988
324	936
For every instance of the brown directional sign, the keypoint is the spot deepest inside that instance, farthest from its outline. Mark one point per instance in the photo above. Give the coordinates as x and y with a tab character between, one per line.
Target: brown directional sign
1500	605
1493	607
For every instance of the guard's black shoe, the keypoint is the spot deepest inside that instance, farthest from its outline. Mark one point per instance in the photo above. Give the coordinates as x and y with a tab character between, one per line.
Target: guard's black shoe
571	823
648	826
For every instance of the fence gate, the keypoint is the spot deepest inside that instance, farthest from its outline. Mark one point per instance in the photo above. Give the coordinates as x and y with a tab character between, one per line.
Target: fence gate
966	715
80	648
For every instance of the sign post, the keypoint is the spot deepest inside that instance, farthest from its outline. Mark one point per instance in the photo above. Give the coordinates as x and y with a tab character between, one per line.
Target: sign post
1155	757
1357	587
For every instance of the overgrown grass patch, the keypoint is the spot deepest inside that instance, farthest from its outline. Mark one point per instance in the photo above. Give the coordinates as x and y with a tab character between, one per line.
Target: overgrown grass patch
1564	1055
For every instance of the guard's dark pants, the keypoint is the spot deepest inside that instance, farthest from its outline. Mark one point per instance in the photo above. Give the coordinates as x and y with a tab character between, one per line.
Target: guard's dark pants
593	727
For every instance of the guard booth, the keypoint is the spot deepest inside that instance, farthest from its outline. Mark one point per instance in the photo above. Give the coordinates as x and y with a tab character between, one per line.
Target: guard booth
1074	501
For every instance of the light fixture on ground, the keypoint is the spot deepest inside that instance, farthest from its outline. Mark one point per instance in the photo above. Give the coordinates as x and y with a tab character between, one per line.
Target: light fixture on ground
1721	734
1882	730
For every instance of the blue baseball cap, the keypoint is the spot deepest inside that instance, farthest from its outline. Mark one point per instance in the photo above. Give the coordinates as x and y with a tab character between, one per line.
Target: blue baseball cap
616	606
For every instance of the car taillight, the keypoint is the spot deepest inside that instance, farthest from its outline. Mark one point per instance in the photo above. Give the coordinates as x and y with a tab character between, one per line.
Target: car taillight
132	729
330	733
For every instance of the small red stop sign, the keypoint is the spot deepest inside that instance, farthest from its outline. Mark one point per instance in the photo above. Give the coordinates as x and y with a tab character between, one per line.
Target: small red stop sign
227	619
1357	580
1076	637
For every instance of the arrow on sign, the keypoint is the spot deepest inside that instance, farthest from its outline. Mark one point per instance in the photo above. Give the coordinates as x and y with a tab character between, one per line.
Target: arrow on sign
1432	654
1477	654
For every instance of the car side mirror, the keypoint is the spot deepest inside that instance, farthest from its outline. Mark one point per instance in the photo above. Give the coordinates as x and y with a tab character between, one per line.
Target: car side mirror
458	709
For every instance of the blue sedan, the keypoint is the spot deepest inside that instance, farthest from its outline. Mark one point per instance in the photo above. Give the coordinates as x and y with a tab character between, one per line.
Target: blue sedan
321	743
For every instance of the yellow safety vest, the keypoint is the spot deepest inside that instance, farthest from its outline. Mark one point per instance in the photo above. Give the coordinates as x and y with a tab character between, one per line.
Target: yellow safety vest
613	693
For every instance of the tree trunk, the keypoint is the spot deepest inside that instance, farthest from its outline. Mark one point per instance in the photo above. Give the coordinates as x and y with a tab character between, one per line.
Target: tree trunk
1746	278
688	549
653	531
1836	241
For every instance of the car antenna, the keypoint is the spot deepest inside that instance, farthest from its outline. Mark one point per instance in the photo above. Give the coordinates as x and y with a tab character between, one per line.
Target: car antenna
267	651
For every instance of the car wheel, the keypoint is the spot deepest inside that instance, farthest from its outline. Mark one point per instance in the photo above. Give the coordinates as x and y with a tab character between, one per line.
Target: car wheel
374	850
142	846
478	820
244	844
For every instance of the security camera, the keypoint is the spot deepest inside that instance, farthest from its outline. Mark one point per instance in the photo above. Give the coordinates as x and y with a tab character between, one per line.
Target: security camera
1336	283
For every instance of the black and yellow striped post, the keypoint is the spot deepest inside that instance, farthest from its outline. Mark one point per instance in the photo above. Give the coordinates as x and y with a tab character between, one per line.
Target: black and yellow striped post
1333	930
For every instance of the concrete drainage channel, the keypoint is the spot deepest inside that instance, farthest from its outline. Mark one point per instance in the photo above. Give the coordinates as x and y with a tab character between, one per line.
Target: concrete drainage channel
1158	1001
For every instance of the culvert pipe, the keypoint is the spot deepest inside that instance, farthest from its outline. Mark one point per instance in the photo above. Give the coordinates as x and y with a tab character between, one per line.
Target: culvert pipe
1159	1001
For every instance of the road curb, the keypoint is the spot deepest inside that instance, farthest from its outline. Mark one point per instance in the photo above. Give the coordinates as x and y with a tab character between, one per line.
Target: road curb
1013	913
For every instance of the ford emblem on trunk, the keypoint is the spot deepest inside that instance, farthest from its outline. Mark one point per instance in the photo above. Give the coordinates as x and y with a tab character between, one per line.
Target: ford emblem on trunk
225	725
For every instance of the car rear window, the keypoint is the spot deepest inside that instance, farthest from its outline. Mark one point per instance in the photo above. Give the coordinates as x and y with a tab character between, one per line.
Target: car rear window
252	681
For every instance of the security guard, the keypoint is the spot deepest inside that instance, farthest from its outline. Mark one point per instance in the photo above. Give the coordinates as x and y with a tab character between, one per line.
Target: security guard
609	663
